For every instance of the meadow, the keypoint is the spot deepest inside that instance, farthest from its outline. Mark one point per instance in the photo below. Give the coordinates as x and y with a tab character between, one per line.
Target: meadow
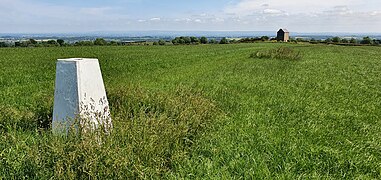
200	112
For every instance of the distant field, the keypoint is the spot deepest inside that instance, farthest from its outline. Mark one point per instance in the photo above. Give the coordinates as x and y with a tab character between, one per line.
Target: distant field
205	111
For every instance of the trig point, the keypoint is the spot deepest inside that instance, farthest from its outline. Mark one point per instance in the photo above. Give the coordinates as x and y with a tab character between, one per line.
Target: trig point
79	95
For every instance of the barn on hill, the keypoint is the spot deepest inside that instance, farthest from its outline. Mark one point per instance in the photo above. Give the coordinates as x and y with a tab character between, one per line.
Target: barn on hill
283	35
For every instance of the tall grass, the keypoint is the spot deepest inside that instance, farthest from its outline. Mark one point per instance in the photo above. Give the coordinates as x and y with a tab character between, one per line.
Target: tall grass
282	53
152	131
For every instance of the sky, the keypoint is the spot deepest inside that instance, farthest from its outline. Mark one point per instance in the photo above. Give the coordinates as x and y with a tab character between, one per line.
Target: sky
69	16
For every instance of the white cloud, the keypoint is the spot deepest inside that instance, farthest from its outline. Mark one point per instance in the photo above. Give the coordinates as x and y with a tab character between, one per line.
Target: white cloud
273	12
308	16
155	19
186	20
375	13
339	10
247	7
197	20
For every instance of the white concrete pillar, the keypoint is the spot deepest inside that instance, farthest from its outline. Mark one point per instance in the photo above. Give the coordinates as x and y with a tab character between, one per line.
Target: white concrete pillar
79	95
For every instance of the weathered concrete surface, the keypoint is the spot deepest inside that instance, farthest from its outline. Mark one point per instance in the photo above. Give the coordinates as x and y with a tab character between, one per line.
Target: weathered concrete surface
79	95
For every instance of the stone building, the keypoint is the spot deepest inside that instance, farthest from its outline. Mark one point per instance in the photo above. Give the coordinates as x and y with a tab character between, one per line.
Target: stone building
283	35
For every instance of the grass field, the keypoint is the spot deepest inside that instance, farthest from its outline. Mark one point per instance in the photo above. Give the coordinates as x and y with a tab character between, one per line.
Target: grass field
207	111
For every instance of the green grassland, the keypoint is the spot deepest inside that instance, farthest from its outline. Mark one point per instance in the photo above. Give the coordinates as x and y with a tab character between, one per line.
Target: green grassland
206	111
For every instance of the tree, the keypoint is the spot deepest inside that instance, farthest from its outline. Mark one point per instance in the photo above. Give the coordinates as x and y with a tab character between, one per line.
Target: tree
60	41
178	40
344	41
336	39
175	41
32	41
353	41
100	42
328	40
204	40
3	44
313	41
212	41
187	40
194	40
161	42
84	43
265	38
52	43
155	43
181	41
366	40
224	41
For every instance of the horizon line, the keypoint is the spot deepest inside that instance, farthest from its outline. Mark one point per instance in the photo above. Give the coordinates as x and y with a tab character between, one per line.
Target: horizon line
121	31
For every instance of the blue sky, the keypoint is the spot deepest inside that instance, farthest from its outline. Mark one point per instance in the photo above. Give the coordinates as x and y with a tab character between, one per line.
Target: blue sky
49	16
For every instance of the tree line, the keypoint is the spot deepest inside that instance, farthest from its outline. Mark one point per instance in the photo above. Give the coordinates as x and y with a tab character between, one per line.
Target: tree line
188	40
59	42
345	41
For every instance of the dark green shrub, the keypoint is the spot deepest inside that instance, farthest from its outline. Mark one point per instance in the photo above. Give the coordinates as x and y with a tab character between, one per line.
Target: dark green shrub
204	40
212	41
353	41
366	40
161	42
224	41
100	42
61	42
336	39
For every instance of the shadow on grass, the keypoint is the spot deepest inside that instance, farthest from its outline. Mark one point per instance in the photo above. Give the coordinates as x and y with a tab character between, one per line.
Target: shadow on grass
38	119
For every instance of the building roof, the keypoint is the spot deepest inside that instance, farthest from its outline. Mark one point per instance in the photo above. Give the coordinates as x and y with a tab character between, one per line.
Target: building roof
284	30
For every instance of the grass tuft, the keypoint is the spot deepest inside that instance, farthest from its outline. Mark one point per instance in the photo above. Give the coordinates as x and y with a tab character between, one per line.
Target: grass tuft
281	53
